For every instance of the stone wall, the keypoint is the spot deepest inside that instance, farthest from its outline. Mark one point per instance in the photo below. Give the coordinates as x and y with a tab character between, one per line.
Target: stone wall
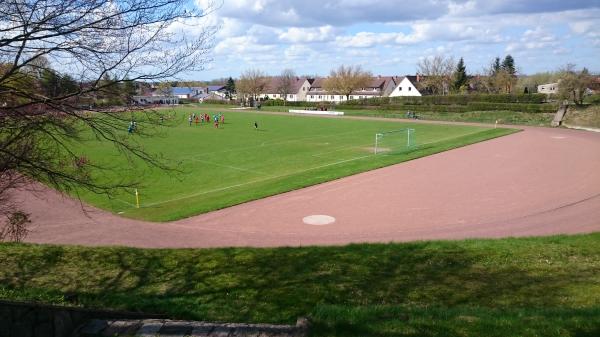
18	319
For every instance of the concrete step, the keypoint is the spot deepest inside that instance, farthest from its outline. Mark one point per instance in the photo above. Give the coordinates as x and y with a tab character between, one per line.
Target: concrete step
173	328
560	115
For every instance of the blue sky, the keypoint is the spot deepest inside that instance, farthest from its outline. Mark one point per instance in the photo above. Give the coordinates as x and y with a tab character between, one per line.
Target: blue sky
390	37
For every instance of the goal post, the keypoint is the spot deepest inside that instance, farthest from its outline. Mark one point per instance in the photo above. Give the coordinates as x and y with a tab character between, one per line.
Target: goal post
394	141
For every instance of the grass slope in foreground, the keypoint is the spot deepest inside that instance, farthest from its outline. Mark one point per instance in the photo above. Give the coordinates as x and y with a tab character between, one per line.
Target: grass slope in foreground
509	287
236	163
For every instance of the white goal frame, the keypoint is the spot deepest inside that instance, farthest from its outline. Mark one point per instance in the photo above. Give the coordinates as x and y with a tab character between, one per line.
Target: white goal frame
380	135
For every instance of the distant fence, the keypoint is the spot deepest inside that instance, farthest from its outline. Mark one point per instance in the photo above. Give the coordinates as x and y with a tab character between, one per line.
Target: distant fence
318	112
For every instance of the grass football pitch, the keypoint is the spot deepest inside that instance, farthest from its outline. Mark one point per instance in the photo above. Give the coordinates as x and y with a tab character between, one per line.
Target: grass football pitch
216	168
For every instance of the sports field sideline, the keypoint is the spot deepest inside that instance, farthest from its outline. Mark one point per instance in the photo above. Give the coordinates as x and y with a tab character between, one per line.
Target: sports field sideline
220	167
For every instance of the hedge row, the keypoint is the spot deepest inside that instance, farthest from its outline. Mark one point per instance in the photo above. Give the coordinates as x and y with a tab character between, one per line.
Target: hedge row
453	99
515	107
218	101
280	102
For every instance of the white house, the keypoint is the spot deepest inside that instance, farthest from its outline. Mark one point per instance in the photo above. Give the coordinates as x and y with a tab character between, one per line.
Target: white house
405	87
217	91
380	86
298	90
548	88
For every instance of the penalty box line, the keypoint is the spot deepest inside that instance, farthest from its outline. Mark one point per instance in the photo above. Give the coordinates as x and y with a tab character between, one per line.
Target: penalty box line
255	181
228	166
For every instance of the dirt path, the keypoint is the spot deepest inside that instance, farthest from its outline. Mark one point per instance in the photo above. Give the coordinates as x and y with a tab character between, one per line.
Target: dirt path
537	182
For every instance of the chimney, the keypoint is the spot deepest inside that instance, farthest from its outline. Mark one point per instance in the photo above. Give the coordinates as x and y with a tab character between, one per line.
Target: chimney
418	78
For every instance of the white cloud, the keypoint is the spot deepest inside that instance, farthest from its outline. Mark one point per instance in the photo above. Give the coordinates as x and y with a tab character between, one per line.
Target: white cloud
303	35
312	35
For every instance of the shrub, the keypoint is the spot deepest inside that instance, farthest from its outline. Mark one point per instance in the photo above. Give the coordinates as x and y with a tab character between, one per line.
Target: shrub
218	101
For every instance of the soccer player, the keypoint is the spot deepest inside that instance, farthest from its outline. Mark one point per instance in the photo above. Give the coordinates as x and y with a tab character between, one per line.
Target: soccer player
255	126
190	119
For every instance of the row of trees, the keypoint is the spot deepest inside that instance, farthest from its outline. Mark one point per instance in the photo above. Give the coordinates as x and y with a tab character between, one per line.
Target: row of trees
442	75
253	82
343	81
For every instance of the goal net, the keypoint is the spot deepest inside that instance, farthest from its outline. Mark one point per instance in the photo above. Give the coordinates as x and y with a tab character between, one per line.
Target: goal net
394	141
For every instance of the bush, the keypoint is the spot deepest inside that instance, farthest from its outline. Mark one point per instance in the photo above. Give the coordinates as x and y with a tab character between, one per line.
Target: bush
218	101
470	98
280	102
592	99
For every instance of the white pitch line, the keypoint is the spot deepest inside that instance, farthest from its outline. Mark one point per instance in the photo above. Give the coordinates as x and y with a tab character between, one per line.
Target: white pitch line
272	143
227	166
256	181
282	175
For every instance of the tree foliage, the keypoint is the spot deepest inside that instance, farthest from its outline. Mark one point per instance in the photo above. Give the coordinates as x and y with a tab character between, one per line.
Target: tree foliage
437	73
59	56
573	84
460	75
346	79
230	88
285	83
252	82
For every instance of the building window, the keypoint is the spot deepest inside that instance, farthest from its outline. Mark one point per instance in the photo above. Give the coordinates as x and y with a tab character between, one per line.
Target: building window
409	88
399	88
332	97
319	96
311	96
290	96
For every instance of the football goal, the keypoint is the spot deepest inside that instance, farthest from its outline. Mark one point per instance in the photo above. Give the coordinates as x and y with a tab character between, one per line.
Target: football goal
394	141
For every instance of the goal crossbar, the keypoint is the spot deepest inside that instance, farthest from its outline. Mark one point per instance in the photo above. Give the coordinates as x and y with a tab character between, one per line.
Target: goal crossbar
409	132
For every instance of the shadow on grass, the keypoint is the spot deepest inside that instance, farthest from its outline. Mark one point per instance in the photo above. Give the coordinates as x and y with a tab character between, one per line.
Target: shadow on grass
279	285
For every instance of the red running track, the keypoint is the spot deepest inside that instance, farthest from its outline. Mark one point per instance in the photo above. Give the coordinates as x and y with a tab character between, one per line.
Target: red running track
537	182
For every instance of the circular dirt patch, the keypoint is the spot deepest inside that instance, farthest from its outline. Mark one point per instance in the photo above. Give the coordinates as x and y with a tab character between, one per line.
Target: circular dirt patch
318	220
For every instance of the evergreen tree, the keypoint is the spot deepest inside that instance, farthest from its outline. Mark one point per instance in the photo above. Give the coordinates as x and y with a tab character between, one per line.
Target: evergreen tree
50	83
230	87
496	66
68	85
460	75
508	65
129	89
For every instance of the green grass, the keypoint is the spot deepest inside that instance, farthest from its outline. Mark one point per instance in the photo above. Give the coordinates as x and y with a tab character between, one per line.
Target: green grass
490	117
509	287
217	168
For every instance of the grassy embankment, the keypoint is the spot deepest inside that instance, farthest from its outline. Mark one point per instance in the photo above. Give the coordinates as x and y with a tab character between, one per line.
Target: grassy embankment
509	287
583	116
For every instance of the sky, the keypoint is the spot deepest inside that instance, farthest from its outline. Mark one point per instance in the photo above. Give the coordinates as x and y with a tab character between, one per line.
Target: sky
389	37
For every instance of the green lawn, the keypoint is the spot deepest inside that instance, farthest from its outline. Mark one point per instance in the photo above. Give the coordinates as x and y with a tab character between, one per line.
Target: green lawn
217	168
509	287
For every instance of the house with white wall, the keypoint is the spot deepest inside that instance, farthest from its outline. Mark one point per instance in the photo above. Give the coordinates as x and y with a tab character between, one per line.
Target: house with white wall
298	89
380	86
406	87
548	88
188	92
